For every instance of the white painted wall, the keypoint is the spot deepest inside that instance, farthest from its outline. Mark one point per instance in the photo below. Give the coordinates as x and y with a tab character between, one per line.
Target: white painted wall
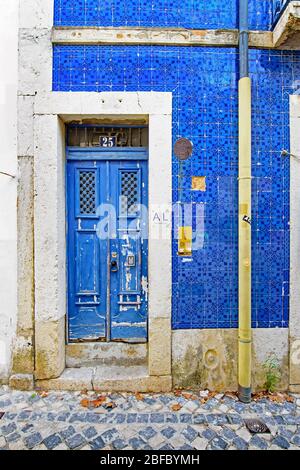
8	186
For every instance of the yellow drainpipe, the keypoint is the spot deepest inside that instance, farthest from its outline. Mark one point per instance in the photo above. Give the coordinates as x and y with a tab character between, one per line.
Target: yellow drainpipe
245	334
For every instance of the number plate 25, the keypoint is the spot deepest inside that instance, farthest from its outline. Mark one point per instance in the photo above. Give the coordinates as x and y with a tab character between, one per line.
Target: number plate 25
106	141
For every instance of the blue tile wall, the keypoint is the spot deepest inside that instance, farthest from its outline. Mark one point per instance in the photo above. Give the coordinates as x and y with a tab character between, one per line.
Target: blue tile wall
278	7
204	86
202	14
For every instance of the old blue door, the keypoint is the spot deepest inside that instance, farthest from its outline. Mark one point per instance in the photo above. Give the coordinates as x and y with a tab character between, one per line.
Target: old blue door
107	244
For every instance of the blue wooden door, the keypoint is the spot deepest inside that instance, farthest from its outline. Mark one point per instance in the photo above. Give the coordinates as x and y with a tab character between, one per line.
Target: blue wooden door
107	244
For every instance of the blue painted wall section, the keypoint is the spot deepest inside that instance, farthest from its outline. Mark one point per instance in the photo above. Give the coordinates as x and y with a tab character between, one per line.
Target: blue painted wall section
204	86
197	14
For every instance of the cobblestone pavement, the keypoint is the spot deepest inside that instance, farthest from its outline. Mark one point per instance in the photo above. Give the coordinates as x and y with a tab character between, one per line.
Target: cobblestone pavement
57	420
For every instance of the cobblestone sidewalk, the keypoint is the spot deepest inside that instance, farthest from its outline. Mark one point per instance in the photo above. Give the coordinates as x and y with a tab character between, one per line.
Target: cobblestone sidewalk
57	420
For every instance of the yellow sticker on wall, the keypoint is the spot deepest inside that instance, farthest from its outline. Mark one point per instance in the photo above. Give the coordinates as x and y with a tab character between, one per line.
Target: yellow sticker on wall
185	237
198	183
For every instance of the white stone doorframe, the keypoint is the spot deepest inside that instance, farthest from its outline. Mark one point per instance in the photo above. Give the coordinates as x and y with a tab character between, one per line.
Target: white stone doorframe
52	110
294	330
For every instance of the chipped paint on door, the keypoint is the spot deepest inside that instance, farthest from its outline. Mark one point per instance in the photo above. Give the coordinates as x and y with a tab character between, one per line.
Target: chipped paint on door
107	275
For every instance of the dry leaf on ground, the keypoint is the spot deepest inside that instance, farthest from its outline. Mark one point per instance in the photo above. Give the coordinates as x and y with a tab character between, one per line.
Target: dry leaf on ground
176	407
276	397
187	396
99	401
139	396
110	405
85	403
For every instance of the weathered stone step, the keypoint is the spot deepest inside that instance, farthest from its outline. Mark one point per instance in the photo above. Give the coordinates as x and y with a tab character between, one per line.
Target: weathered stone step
114	354
108	378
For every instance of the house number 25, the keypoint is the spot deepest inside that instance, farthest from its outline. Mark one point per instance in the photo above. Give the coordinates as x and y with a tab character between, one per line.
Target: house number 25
106	141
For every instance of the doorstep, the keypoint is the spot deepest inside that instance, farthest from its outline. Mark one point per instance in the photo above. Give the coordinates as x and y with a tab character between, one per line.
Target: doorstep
113	354
108	379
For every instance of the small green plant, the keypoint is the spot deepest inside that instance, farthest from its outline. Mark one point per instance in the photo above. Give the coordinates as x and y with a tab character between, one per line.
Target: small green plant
273	374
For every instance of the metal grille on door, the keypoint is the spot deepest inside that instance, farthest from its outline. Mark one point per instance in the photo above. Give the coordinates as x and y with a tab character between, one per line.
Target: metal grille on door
87	189
129	193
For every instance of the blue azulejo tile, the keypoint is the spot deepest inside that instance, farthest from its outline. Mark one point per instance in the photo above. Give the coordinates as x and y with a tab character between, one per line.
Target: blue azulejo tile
202	14
210	121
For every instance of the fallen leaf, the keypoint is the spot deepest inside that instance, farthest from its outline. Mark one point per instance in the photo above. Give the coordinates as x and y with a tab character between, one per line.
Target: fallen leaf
93	403
290	399
85	403
194	397
110	405
43	394
98	402
275	397
177	393
187	396
176	407
258	395
84	392
139	396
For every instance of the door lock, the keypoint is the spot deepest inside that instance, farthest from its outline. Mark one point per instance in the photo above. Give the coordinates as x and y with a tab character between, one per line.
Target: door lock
114	265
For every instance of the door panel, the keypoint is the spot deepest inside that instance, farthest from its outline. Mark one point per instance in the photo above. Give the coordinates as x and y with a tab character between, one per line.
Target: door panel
129	282
86	255
107	273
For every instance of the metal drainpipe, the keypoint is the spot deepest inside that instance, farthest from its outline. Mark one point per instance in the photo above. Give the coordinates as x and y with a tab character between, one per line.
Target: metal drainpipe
245	334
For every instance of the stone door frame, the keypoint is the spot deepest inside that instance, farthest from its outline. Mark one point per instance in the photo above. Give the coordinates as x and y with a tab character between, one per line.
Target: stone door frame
294	323
51	112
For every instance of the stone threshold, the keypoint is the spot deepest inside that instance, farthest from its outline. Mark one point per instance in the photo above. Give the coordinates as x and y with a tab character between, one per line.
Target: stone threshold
108	379
107	354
